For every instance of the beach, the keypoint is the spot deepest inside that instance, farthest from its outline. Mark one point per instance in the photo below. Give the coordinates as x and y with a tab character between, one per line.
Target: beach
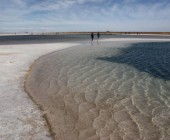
71	89
116	89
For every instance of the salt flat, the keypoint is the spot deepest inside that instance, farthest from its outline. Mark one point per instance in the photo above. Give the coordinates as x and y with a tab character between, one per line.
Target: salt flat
20	118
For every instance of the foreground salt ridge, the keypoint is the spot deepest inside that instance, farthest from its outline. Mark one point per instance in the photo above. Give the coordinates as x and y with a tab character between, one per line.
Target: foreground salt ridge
71	92
20	118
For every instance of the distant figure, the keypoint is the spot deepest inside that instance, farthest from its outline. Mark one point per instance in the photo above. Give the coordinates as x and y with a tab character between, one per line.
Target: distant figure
92	37
98	36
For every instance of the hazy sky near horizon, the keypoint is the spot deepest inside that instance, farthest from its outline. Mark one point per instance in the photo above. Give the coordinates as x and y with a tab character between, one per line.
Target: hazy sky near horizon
84	15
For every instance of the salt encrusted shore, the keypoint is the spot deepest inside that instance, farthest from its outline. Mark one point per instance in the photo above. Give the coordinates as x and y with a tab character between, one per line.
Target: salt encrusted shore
20	118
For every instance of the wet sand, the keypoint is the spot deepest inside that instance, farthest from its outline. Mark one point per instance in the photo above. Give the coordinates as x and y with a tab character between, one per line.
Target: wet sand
110	91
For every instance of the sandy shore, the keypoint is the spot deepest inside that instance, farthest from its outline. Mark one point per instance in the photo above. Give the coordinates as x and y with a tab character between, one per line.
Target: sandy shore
84	98
20	118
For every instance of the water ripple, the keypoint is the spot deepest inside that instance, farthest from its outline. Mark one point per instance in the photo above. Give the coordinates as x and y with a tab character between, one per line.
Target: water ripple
99	93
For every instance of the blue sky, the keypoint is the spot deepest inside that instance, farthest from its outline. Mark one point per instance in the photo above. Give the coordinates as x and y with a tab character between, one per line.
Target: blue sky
84	15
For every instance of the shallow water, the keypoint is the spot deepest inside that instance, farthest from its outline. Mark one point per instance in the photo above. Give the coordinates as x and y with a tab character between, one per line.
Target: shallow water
117	91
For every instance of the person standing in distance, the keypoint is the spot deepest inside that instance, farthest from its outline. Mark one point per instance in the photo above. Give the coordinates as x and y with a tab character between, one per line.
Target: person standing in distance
92	37
98	36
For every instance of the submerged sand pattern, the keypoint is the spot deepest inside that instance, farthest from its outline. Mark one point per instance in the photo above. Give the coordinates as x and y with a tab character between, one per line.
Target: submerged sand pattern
88	94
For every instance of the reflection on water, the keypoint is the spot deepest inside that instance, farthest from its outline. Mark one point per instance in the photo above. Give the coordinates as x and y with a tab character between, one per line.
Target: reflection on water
153	58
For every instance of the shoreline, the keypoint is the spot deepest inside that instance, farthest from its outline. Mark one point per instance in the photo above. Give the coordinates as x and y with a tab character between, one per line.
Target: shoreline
31	97
87	33
102	41
45	39
20	117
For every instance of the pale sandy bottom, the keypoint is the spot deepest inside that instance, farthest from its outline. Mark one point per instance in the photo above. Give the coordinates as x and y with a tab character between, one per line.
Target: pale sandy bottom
112	91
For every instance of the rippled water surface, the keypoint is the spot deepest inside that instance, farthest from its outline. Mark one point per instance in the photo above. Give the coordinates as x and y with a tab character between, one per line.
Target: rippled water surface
104	92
